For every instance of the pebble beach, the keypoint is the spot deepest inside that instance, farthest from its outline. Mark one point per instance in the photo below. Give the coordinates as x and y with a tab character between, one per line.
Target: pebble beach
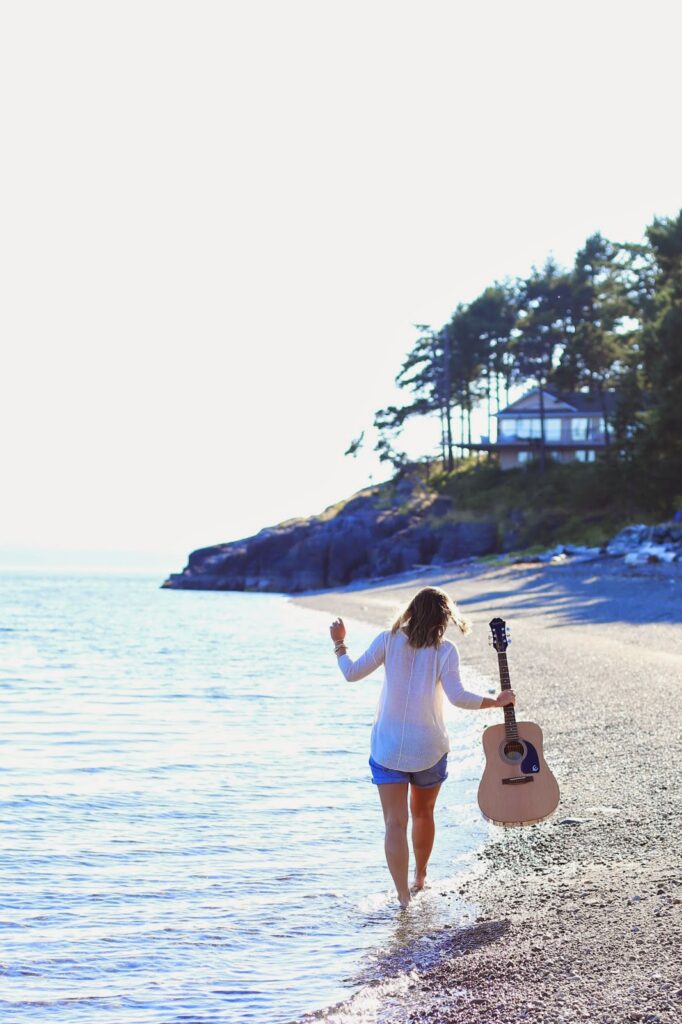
578	917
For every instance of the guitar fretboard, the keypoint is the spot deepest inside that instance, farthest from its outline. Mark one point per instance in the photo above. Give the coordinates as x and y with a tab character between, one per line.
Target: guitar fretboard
505	684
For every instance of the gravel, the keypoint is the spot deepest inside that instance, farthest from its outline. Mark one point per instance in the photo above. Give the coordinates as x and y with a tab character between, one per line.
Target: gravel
579	917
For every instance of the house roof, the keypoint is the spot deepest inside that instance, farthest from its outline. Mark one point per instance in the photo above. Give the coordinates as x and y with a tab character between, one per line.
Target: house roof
561	402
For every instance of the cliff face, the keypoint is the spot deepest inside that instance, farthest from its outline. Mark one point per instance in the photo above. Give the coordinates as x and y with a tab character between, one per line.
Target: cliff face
421	518
380	531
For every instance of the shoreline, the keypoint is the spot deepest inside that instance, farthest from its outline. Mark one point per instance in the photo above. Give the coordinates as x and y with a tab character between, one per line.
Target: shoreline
580	916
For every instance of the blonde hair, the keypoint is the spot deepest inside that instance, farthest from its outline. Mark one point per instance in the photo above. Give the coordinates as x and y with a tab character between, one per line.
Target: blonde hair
427	616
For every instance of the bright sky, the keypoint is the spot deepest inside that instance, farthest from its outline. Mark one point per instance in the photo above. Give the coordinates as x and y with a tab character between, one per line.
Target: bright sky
220	221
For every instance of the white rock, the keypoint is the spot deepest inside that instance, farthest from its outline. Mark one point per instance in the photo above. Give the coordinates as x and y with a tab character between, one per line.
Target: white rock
628	539
576	551
636	558
653	550
651	553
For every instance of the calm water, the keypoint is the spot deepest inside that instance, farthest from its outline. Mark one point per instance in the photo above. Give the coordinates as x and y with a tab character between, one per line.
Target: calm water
188	831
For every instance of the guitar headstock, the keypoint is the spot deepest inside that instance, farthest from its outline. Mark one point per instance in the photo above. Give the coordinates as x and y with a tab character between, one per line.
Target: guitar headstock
499	635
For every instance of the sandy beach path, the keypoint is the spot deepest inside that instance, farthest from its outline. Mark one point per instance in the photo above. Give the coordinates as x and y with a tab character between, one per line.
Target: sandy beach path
580	916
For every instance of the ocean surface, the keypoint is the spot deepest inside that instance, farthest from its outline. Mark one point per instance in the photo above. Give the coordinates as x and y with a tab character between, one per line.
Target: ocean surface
189	833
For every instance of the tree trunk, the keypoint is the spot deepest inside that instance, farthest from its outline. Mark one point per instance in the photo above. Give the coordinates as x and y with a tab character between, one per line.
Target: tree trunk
469	418
542	429
497	406
489	397
448	420
443	435
448	397
602	406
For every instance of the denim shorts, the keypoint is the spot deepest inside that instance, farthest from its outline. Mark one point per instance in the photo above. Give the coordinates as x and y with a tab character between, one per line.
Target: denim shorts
423	780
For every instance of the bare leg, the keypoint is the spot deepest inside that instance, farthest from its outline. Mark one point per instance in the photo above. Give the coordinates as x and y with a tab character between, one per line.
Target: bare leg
393	797
422	803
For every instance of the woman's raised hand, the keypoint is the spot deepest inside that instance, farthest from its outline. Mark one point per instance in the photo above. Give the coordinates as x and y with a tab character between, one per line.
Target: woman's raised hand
337	630
505	697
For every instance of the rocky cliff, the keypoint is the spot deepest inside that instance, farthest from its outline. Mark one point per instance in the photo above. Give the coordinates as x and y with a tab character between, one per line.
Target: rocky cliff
416	520
379	531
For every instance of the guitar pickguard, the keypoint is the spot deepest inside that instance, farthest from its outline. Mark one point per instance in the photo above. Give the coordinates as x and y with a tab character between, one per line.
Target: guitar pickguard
531	762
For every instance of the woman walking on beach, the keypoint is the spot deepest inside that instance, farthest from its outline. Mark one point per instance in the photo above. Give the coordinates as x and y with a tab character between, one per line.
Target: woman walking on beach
409	743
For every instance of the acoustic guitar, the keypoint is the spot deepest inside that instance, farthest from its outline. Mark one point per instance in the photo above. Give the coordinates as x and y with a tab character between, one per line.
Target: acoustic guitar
517	787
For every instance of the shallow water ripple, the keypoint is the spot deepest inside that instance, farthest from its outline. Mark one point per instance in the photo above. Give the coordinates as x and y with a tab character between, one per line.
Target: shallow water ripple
188	831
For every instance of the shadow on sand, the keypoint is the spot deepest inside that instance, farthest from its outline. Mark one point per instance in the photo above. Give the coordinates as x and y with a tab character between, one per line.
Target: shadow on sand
604	591
589	595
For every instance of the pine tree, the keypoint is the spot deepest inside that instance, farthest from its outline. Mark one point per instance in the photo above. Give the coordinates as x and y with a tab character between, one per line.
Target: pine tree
542	330
661	446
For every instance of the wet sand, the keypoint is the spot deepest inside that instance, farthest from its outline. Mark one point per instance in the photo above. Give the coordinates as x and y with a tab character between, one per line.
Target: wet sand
579	917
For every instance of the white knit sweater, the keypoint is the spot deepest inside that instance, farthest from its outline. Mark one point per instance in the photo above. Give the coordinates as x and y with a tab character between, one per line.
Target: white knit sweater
409	732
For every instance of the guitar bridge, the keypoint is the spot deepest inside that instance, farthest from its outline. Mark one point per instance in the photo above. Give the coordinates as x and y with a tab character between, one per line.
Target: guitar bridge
517	779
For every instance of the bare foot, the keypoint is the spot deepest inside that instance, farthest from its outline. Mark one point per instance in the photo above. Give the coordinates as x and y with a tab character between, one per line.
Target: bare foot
404	899
419	883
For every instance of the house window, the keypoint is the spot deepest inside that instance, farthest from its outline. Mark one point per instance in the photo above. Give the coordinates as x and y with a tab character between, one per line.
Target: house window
582	456
580	428
531	428
527	428
507	428
524	456
585	429
552	430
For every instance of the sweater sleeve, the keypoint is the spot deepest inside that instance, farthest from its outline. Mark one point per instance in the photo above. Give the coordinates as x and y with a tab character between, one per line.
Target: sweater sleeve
367	662
452	683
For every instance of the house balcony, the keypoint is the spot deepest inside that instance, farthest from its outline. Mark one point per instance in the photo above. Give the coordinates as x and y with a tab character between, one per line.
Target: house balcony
513	452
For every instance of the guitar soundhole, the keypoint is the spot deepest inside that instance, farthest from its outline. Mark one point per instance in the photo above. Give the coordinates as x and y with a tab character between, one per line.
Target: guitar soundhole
513	750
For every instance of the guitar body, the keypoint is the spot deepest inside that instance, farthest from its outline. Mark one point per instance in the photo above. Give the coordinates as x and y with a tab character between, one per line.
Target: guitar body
517	787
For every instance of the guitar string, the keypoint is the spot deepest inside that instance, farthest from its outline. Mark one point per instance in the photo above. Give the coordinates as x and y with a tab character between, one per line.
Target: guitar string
509	716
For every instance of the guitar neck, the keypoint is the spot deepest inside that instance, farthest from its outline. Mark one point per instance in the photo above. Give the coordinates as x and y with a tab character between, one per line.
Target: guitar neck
505	684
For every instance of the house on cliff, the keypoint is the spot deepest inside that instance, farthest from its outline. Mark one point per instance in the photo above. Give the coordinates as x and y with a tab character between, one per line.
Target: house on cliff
575	427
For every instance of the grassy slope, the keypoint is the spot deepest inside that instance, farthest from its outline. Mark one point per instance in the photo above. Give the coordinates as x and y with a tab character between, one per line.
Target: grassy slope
570	503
